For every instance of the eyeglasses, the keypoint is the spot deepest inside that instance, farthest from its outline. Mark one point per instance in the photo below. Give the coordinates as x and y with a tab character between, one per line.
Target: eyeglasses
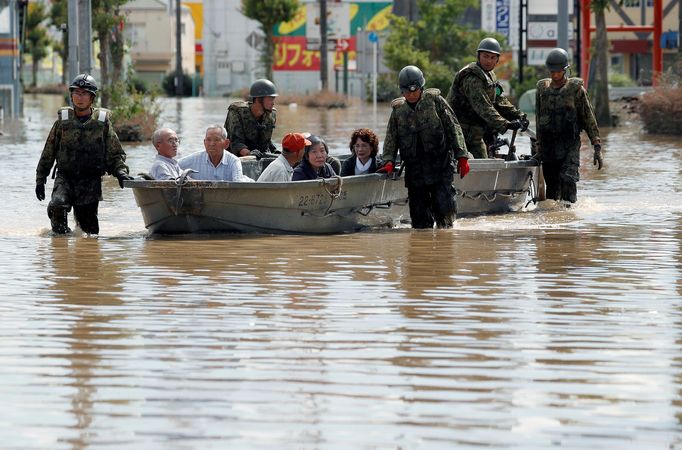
361	145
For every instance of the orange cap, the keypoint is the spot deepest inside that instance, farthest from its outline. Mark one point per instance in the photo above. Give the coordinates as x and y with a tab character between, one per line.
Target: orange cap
294	142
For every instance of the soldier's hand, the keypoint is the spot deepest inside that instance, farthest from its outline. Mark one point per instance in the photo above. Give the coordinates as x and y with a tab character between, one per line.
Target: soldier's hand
515	125
40	191
257	153
598	160
462	166
122	176
525	123
386	168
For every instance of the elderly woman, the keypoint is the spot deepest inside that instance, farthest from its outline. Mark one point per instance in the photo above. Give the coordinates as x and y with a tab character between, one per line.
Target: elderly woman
364	146
314	163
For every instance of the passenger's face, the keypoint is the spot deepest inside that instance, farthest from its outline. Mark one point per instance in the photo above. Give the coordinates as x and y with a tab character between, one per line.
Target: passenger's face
488	60
317	156
168	145
81	99
363	150
215	143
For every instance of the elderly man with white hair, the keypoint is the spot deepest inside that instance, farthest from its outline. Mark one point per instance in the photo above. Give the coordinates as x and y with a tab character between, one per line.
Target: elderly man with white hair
215	163
165	166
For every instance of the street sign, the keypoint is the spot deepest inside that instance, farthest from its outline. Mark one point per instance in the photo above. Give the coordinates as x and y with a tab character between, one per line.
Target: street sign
338	20
254	39
373	37
342	45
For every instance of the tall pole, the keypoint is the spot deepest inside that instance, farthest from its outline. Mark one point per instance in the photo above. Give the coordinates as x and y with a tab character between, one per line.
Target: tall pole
562	25
85	36
178	50
658	51
73	38
522	5
323	45
585	40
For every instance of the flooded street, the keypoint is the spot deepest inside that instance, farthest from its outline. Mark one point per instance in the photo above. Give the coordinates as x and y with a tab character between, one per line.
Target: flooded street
553	328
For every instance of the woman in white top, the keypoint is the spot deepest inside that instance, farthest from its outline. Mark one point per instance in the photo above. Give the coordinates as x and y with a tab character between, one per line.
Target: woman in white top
364	146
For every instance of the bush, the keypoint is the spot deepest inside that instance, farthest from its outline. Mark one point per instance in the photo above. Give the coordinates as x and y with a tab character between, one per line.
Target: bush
168	84
135	114
387	87
661	108
617	79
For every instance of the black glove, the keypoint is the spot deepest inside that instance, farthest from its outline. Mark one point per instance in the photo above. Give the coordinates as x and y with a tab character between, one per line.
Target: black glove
123	176
524	123
257	153
514	125
598	161
40	191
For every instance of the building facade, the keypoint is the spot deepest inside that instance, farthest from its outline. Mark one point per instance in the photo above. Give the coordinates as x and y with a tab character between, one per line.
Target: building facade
11	18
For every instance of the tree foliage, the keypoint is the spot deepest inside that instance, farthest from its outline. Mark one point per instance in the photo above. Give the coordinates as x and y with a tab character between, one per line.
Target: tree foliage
599	86
59	18
269	13
37	40
107	21
436	42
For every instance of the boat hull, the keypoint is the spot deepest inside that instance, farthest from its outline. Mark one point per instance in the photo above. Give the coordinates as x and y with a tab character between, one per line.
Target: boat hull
337	205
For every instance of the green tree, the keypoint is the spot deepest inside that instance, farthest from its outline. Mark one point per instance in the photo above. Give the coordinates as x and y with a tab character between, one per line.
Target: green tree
107	23
435	42
37	41
269	13
59	19
599	86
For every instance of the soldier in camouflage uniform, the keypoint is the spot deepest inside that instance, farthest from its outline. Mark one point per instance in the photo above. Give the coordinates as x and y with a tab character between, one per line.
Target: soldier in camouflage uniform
84	146
563	110
476	96
249	125
424	129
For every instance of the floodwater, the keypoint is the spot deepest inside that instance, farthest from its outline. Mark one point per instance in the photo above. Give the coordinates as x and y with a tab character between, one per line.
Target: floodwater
553	328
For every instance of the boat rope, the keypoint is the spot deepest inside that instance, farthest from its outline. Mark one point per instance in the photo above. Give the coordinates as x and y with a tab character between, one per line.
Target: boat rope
334	192
180	181
532	191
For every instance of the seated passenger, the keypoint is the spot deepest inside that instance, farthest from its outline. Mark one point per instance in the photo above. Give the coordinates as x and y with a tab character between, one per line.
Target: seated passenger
165	166
364	146
281	169
332	160
215	163
314	163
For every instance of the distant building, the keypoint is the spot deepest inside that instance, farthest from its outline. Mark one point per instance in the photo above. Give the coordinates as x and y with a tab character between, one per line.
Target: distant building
150	29
230	60
11	18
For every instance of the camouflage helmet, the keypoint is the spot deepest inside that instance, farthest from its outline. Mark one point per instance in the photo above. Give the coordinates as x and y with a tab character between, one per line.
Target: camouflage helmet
84	81
411	78
489	45
557	60
262	88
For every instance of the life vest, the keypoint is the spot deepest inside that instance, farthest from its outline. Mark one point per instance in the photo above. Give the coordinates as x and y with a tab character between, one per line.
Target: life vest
557	112
257	135
460	103
423	122
82	147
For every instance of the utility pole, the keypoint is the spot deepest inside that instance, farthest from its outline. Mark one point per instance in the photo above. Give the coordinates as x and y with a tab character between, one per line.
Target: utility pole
85	36
73	38
178	51
323	45
562	25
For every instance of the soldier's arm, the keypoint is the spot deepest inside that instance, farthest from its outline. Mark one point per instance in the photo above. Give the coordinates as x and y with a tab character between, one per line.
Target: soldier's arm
506	108
453	132
474	90
586	116
115	156
236	133
390	150
49	153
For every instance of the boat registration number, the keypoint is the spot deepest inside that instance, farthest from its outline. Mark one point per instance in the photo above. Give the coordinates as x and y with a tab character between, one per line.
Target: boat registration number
318	200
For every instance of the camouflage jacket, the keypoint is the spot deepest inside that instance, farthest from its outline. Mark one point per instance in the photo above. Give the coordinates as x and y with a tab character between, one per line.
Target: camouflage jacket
476	96
245	131
564	112
81	150
428	137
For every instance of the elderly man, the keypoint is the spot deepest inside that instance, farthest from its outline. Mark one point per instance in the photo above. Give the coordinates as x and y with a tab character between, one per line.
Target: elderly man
282	168
215	163
165	166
